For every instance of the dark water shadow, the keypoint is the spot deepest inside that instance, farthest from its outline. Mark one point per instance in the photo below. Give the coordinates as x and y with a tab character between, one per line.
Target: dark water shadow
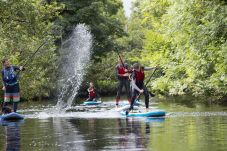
12	134
113	134
136	133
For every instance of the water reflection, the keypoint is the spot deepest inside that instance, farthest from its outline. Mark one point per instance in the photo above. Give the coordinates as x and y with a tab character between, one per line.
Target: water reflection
189	129
134	133
12	135
67	135
99	134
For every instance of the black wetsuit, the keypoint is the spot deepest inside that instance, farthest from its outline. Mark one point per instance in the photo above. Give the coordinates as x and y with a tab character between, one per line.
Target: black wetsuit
123	81
138	78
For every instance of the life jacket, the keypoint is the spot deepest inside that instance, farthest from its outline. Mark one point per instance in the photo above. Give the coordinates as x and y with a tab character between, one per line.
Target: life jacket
10	76
139	75
92	93
121	69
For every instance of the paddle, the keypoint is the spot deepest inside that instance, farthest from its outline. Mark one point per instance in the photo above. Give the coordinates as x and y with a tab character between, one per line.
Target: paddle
29	58
120	59
32	56
150	77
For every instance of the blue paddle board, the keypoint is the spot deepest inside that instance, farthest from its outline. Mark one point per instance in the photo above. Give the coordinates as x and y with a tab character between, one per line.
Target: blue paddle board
11	116
92	102
11	123
136	103
156	113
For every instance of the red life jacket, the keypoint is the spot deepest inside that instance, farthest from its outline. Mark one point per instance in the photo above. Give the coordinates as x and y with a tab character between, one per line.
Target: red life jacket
92	93
121	70
140	76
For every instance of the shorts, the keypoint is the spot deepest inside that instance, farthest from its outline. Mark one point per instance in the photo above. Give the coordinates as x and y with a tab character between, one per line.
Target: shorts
12	92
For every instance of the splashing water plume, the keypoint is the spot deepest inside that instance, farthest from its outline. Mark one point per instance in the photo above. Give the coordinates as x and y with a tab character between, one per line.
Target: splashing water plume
75	55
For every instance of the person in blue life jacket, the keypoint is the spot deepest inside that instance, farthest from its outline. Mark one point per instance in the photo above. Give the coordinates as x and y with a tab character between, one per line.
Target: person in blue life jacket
10	85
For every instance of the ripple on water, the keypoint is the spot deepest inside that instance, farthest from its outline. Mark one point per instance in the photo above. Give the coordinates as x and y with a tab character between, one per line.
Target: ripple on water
195	114
103	112
92	114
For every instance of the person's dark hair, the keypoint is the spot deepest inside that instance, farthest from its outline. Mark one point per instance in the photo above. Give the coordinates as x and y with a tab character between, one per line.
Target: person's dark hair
4	60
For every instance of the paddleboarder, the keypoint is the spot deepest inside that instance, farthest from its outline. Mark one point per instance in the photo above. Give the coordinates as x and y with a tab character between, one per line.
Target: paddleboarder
137	85
122	70
91	92
10	85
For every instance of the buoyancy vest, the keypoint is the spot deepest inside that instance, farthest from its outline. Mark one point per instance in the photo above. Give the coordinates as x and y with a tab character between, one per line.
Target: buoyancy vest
121	70
139	75
92	93
10	77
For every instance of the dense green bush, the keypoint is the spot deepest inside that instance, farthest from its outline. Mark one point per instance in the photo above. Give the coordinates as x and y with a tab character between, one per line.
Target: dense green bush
25	25
188	40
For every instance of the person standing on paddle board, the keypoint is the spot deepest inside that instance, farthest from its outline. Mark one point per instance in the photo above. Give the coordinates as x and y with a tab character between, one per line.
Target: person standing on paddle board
137	85
10	85
122	70
92	93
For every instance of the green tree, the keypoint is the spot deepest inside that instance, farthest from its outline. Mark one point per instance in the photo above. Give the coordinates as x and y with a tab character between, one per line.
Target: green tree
24	26
100	15
188	40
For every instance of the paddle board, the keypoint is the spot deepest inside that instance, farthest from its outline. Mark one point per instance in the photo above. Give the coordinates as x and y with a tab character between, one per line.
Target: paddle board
155	113
92	102
12	116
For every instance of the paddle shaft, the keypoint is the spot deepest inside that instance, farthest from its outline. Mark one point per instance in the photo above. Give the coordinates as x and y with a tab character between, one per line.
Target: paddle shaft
147	82
32	56
121	59
150	77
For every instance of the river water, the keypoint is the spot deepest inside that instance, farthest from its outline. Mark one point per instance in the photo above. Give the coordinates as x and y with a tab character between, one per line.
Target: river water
187	127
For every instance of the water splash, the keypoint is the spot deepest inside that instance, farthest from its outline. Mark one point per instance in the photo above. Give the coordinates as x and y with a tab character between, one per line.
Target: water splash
75	55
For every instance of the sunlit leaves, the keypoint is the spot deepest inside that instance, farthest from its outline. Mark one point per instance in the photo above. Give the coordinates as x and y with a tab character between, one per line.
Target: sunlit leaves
188	40
25	25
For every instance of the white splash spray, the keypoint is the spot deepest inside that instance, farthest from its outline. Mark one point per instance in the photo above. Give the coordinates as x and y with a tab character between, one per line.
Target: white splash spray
75	56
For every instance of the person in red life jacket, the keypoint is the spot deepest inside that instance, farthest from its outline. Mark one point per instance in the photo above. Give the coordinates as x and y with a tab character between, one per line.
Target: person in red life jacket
137	85
10	85
122	70
91	93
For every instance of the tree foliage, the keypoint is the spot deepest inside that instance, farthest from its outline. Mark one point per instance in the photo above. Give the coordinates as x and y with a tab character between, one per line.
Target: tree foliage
25	25
188	40
101	15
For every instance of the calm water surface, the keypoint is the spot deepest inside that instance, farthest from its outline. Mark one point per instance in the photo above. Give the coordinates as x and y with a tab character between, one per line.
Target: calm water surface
187	127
